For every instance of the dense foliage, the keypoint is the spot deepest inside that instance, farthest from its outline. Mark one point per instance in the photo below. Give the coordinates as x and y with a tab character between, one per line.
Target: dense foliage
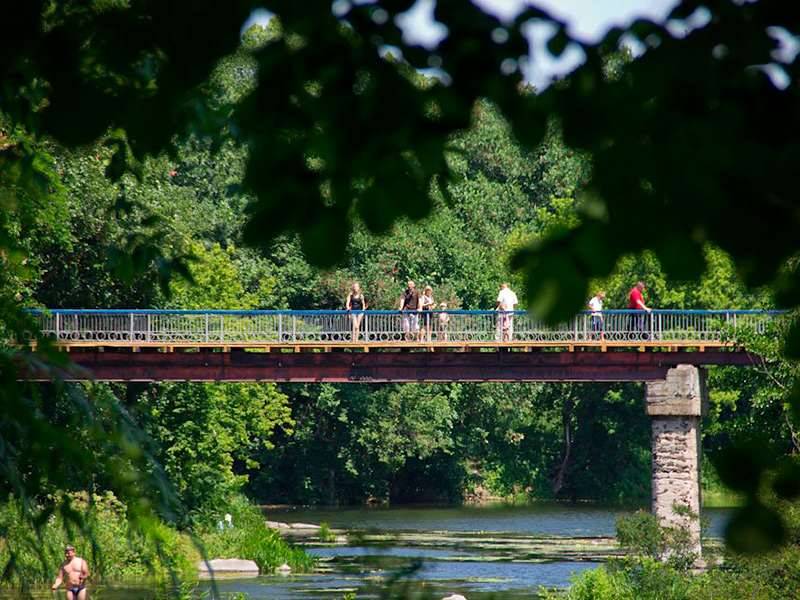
355	444
118	549
114	546
134	165
642	575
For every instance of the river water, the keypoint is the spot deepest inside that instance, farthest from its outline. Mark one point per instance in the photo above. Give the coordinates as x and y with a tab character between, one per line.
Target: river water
480	552
506	552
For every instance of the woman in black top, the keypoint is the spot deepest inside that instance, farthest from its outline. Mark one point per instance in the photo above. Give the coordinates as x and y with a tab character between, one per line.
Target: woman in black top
356	305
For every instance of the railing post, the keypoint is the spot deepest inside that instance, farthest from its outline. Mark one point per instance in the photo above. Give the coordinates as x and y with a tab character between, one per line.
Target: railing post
660	328
130	330
207	329
149	327
575	326
222	328
280	327
58	325
294	328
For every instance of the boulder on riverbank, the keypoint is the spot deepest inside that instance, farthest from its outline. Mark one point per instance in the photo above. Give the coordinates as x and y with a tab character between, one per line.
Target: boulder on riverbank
308	533
281	526
454	597
227	567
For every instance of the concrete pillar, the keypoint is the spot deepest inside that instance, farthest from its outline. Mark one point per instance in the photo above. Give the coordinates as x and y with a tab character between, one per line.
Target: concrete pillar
676	406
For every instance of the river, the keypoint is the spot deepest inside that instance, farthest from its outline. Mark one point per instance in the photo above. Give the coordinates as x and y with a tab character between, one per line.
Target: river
481	552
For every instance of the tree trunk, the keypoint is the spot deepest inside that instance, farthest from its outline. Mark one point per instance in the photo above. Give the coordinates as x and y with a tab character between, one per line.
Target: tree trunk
561	473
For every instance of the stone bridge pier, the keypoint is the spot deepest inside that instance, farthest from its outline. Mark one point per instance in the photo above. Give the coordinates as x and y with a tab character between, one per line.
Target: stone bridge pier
676	405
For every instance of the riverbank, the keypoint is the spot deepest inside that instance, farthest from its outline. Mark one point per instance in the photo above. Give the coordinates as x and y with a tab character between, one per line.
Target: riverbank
119	550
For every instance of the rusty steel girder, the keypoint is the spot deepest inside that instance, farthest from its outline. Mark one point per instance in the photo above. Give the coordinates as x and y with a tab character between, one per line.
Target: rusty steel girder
386	366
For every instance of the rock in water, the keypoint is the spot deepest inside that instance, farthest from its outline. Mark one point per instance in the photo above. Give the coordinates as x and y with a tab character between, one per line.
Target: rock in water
278	525
284	569
227	566
454	597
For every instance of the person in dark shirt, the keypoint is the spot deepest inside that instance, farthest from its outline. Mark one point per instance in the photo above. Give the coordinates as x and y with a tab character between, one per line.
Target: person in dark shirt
356	305
410	307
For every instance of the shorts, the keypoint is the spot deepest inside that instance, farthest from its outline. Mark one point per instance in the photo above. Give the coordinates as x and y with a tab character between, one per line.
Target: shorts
410	322
597	323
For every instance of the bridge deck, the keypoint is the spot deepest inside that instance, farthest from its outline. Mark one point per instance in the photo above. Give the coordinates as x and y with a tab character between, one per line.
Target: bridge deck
401	365
433	346
461	346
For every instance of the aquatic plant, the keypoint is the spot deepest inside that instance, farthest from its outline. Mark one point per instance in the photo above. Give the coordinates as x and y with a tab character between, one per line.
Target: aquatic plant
325	533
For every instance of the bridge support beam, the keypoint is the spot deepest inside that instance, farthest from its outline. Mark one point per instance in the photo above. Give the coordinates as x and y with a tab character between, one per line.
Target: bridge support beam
676	405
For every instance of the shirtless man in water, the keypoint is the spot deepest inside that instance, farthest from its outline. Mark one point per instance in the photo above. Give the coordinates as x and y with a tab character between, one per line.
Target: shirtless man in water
75	570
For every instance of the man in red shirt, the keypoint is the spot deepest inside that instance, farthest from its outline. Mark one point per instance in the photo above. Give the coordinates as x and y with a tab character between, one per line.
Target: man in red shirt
636	302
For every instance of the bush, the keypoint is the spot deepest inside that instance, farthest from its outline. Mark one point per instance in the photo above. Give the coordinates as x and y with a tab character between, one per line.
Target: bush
653	580
114	548
251	539
597	584
643	536
117	550
643	575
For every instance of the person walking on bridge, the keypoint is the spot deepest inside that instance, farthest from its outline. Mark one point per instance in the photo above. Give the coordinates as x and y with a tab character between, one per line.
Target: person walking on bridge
426	307
444	323
596	306
636	323
356	305
506	303
409	308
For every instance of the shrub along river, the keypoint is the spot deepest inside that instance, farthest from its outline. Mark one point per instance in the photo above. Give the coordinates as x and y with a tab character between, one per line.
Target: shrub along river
482	552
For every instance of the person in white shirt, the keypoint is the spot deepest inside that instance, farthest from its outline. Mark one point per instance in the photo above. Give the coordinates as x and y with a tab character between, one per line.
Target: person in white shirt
444	323
506	302
596	306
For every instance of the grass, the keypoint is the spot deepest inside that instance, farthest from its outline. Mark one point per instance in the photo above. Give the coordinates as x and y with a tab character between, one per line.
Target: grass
722	498
117	550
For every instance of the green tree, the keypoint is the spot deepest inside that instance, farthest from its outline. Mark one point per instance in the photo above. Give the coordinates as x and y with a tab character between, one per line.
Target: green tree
207	435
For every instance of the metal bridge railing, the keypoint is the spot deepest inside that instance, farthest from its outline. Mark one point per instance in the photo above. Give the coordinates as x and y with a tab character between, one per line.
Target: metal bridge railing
132	327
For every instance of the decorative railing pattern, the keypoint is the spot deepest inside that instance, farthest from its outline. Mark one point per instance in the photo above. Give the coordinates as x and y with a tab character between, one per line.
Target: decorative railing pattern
131	327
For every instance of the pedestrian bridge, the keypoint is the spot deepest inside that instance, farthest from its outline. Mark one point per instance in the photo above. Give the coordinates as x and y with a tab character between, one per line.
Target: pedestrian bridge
162	345
384	329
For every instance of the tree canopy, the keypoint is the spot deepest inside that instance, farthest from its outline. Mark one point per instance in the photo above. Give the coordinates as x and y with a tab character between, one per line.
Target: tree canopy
685	150
693	134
